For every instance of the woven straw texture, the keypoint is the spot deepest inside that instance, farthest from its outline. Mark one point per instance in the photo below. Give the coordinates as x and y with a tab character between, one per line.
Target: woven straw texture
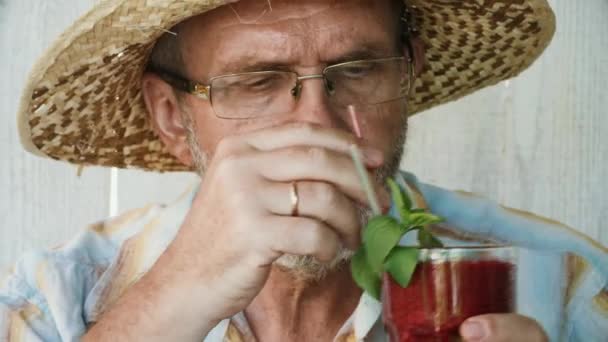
83	101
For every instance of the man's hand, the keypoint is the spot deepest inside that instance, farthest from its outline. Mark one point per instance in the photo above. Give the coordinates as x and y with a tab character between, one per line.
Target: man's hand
502	328
240	222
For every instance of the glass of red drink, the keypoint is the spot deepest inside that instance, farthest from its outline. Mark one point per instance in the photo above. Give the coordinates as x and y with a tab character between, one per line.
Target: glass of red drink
448	286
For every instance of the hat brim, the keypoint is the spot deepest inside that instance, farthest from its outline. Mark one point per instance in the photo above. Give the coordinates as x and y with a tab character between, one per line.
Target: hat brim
83	101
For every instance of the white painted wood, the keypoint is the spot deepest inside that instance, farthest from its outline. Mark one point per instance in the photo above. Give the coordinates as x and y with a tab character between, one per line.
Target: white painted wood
42	202
539	142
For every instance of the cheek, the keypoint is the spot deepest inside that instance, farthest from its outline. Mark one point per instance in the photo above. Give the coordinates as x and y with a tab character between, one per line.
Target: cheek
210	130
384	125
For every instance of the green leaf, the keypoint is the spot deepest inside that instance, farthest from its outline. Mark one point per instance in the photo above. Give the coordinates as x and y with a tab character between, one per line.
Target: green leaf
401	264
400	199
411	229
363	275
423	219
427	240
381	234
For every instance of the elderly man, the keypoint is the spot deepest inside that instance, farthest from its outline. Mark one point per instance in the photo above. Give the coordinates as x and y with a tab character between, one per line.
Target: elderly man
254	95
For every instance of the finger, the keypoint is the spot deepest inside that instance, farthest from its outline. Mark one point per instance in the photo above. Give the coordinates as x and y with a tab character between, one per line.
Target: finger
318	164
307	134
302	236
317	200
502	328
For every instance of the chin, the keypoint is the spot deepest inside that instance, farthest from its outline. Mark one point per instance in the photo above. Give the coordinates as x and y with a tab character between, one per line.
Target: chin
308	268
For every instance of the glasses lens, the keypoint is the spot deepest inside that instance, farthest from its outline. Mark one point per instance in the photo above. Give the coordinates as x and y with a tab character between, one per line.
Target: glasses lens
368	82
252	95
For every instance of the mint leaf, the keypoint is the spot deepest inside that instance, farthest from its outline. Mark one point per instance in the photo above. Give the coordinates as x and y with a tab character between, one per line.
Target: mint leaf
401	264
381	234
363	275
423	219
379	252
427	240
412	228
400	199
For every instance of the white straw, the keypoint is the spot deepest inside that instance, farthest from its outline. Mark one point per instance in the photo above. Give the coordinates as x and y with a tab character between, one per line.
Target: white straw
365	182
355	120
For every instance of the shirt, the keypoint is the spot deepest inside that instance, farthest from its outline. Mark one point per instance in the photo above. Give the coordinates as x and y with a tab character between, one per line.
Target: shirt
54	295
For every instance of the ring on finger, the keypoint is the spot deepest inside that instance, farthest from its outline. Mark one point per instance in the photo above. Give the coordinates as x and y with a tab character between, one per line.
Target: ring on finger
295	198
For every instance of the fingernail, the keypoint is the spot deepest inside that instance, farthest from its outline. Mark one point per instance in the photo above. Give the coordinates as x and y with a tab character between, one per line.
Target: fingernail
473	330
372	155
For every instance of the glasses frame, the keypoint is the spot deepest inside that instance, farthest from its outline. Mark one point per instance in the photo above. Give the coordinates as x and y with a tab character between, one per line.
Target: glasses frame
203	91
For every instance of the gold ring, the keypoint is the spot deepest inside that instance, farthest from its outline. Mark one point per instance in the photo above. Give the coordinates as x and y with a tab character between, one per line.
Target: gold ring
295	199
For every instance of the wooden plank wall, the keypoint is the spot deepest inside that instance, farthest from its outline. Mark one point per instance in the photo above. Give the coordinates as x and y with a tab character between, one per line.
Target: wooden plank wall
537	142
42	202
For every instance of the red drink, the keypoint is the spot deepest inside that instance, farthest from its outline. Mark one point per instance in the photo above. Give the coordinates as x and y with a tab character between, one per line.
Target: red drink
444	292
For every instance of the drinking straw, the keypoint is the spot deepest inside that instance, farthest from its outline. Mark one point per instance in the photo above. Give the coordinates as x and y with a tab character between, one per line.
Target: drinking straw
354	119
355	153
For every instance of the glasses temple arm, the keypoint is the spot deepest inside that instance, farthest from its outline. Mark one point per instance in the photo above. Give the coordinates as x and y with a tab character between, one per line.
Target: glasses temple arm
175	80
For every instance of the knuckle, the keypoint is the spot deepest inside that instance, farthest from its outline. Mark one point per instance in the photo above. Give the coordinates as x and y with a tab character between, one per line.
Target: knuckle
322	243
229	164
316	233
307	129
319	156
233	144
315	237
225	146
234	174
326	194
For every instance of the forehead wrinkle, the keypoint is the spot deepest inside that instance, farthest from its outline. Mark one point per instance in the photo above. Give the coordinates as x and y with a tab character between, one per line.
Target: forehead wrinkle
263	12
284	35
275	47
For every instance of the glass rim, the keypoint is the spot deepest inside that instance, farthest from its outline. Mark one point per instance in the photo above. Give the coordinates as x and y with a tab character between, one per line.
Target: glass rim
472	253
456	248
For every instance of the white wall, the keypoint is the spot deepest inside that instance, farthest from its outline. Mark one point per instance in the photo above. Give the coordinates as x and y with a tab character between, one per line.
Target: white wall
539	143
43	202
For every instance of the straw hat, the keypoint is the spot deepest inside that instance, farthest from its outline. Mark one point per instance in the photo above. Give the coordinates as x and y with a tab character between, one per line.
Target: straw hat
83	101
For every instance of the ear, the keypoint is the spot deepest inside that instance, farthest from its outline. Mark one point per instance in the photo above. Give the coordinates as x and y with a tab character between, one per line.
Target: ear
166	116
419	55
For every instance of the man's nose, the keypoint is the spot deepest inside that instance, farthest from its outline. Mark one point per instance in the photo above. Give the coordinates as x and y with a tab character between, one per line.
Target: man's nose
313	104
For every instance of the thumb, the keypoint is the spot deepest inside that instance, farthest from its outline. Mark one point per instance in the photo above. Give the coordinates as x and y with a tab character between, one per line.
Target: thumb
502	328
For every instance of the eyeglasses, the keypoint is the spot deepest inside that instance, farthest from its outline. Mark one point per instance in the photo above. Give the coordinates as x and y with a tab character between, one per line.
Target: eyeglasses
251	95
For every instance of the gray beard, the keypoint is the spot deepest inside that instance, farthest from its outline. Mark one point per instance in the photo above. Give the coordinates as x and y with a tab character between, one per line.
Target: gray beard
305	267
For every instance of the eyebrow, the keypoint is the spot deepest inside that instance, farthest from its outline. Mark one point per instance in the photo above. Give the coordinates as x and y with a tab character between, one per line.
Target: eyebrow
365	51
248	63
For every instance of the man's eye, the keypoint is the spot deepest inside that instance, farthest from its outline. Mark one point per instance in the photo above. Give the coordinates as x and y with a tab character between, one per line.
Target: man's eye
357	70
260	83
